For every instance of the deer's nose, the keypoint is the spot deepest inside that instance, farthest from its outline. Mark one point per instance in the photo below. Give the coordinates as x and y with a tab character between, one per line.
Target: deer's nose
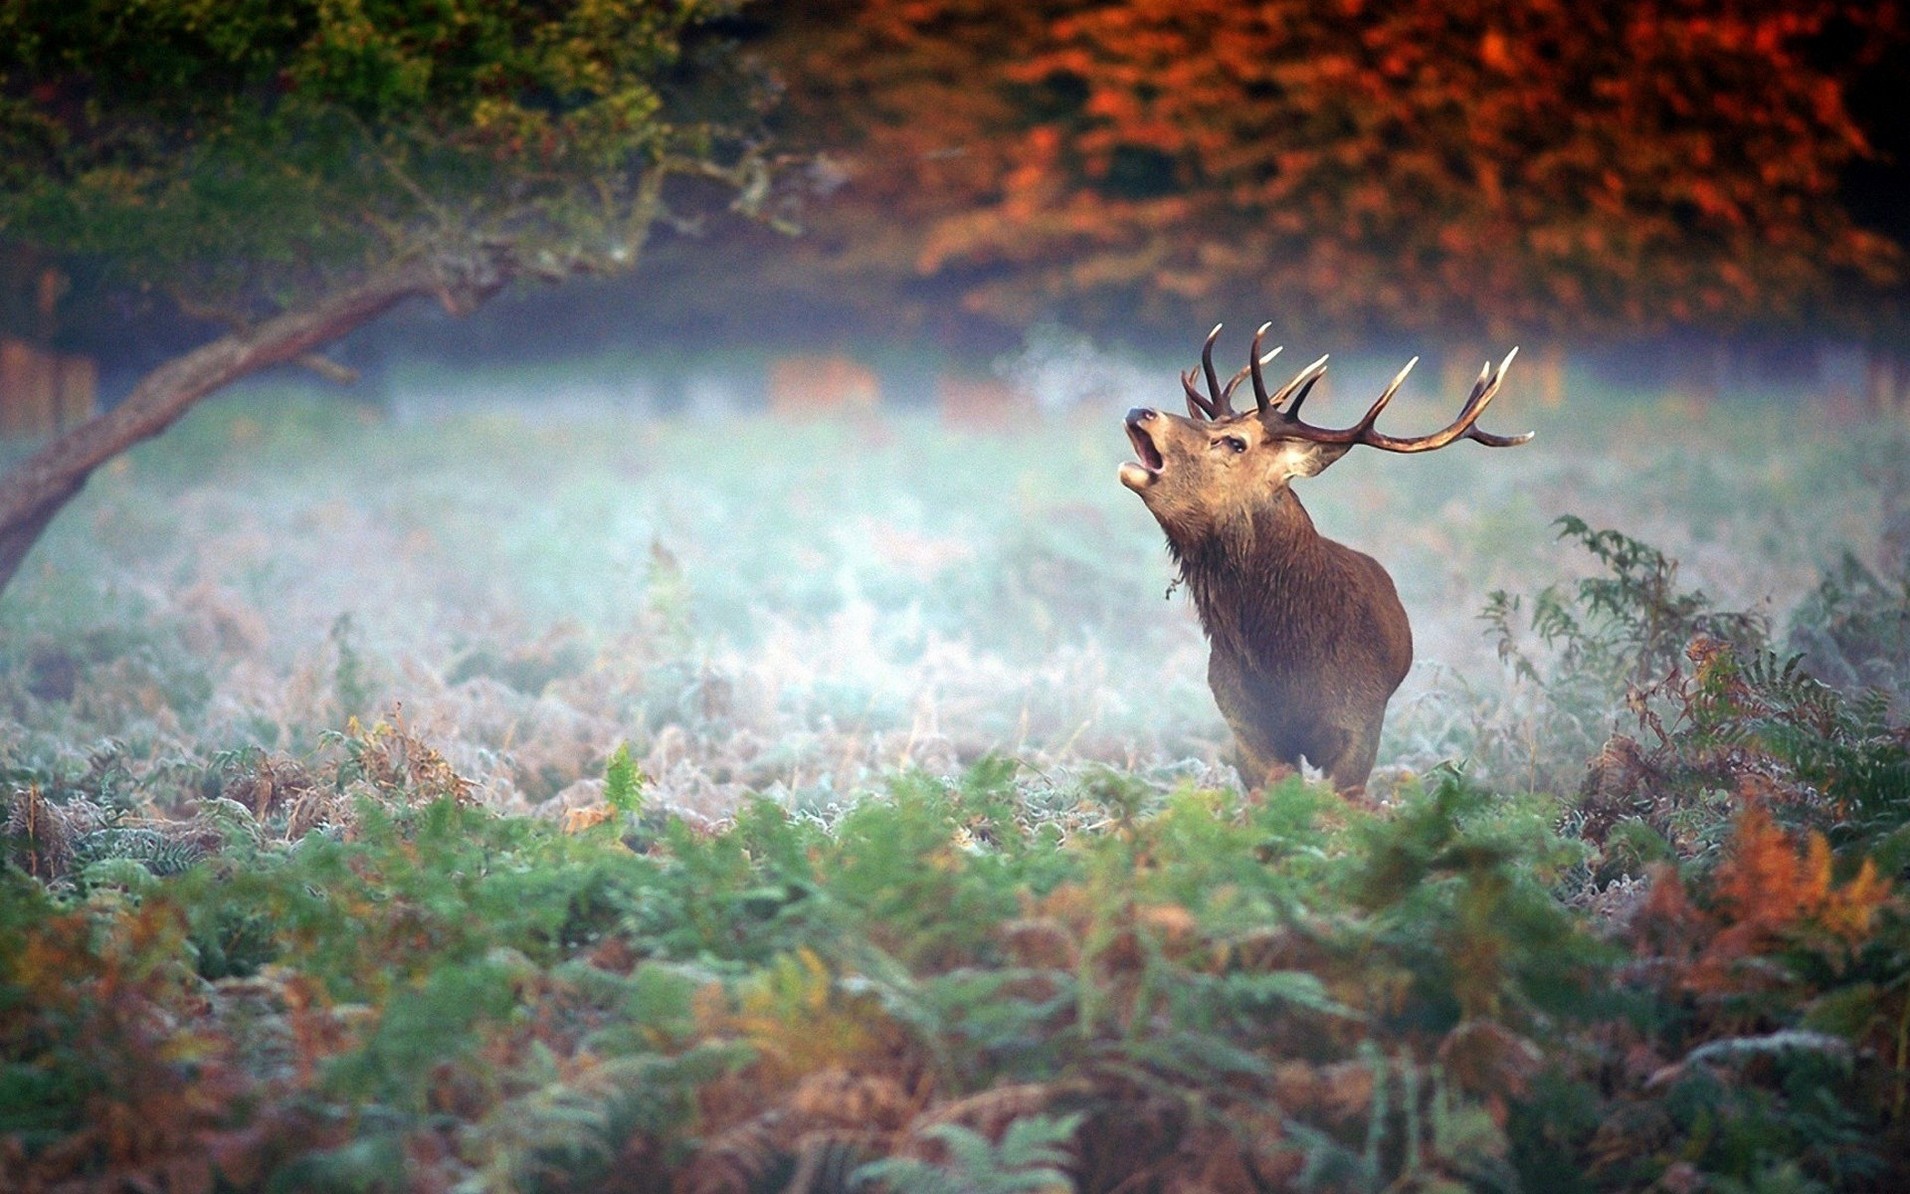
1141	414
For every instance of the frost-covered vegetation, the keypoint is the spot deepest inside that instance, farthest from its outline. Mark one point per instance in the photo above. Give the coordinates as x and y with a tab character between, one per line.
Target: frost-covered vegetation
500	802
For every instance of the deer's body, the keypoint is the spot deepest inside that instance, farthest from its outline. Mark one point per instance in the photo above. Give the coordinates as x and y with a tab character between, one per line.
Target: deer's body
1309	639
1309	642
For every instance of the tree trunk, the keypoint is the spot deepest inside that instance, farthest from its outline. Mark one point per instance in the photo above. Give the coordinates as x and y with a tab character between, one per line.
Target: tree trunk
43	392
810	385
1550	360
1886	381
41	485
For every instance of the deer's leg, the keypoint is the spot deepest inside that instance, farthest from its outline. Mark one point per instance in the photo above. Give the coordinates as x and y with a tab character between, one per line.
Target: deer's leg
1349	757
1259	768
1259	779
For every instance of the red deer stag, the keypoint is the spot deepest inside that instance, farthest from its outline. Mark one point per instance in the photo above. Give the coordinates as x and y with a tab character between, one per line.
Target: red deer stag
1309	638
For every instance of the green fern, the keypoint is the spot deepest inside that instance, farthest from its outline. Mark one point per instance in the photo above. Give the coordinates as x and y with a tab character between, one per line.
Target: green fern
161	851
1854	629
623	783
1031	1157
1627	626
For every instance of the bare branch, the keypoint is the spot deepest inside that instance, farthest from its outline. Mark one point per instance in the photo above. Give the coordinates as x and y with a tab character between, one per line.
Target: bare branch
330	370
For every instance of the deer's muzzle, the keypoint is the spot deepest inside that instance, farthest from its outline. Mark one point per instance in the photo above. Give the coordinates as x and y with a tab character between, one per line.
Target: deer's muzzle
1139	476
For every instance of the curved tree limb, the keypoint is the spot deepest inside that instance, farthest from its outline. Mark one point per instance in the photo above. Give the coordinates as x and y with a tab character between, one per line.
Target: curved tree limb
36	490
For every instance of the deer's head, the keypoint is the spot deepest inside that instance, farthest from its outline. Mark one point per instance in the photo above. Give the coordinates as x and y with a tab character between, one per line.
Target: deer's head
1216	466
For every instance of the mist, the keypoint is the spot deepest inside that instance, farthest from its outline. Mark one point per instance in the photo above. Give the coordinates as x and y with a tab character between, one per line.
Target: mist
530	566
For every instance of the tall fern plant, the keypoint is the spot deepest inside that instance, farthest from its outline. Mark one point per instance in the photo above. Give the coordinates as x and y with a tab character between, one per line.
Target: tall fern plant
1604	649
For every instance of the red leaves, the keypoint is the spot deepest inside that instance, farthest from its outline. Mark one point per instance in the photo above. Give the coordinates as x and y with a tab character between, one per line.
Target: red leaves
1419	164
1767	896
103	1003
1767	890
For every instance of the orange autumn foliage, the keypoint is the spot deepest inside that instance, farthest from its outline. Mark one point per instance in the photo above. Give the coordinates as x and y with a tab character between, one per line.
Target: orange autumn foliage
1766	887
1767	894
1467	166
101	1000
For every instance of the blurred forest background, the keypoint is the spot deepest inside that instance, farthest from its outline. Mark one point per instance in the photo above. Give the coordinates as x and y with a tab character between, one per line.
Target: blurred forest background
567	623
1685	196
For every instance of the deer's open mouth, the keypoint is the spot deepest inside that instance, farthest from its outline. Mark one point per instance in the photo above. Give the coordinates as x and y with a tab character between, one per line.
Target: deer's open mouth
1151	459
1139	476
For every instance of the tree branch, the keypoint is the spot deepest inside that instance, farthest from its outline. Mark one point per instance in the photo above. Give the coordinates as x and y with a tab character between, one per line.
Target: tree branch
35	491
330	370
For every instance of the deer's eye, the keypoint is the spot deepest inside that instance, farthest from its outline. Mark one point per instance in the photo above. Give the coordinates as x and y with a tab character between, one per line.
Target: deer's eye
1233	443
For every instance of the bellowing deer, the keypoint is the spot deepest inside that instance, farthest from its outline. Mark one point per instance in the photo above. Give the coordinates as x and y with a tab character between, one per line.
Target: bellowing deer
1309	638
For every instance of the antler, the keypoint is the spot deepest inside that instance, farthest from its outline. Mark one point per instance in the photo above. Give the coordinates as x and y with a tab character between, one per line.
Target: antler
1284	416
1286	422
1220	405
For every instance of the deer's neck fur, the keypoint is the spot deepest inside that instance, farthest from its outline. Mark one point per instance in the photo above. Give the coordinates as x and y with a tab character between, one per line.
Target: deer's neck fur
1264	579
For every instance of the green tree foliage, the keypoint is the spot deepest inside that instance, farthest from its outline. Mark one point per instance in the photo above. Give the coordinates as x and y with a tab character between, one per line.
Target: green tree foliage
254	150
294	170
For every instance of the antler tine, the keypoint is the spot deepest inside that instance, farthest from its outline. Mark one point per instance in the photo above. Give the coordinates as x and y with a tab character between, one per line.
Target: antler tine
1385	397
1299	398
1305	377
1497	441
1255	361
1479	387
1483	392
1233	383
1197	406
1217	405
1487	385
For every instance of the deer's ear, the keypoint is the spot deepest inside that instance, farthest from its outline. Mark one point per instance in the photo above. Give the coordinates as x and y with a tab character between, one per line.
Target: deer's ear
1298	458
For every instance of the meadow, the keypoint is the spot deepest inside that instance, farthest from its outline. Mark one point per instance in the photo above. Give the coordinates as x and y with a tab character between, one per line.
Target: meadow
798	608
484	795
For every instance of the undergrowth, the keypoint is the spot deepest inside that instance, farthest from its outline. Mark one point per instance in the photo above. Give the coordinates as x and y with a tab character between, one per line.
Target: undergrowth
325	962
367	981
